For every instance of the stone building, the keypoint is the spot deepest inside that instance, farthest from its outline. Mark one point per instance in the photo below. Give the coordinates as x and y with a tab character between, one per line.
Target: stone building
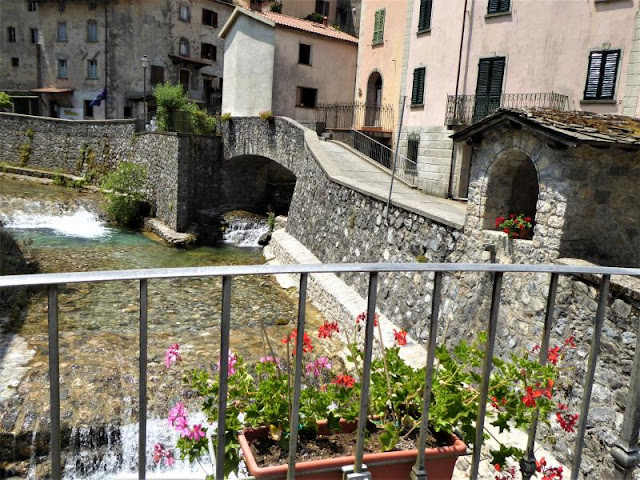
574	173
458	61
68	52
286	65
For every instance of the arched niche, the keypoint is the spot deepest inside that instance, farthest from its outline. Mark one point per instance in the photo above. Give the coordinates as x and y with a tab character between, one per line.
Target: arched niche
512	187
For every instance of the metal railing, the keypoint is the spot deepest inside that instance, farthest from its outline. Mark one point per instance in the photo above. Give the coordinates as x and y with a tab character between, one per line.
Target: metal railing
358	115
406	169
626	453
180	121
468	109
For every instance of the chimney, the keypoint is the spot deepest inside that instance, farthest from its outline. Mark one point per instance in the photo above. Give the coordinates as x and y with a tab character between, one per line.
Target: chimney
325	21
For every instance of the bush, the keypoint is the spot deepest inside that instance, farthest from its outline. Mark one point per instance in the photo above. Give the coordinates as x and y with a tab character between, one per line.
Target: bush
5	100
225	117
172	100
266	115
125	200
315	17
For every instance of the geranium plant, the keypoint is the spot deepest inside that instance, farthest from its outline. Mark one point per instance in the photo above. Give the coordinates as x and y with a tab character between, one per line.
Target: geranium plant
514	225
521	389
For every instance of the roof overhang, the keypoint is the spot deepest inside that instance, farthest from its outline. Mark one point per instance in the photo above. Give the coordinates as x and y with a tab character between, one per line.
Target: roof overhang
243	11
53	90
194	62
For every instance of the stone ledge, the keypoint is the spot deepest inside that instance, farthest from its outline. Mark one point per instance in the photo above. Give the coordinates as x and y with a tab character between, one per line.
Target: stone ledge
173	238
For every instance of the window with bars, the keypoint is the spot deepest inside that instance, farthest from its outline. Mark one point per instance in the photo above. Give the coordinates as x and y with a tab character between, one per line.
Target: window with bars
92	31
62	68
498	6
11	35
413	146
62	31
424	18
378	27
417	92
92	69
601	75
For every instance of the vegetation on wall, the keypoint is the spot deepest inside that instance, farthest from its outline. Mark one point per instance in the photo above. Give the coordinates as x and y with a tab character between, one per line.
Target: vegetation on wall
26	147
125	197
176	112
5	101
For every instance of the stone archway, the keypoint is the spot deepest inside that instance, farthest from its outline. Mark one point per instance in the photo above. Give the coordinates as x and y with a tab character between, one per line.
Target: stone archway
512	187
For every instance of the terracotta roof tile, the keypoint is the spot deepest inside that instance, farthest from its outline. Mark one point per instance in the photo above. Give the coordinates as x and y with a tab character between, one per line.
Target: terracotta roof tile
308	26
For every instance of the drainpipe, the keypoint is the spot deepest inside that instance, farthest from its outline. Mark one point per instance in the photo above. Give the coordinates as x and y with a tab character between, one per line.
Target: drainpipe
106	61
455	101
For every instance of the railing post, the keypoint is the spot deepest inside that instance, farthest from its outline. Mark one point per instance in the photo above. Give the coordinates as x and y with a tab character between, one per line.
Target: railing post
142	387
486	372
225	321
626	453
54	382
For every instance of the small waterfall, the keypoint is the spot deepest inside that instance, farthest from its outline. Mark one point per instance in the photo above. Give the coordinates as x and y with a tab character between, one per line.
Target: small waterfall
245	233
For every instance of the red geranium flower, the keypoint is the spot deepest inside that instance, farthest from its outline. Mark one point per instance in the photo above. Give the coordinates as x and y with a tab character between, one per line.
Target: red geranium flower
326	330
401	336
554	355
346	381
362	317
307	346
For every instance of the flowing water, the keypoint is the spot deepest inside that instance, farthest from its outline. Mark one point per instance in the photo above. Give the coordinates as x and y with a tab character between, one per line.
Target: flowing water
99	330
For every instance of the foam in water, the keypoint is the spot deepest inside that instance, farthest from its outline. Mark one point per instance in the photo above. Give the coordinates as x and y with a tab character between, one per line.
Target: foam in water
80	223
245	233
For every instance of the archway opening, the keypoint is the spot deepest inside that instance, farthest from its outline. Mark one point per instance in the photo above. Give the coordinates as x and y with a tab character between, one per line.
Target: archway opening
374	100
512	188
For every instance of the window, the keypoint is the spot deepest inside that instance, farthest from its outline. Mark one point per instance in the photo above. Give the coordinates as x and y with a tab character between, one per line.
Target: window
62	31
184	13
601	75
62	68
378	27
11	35
413	146
15	62
306	97
417	93
157	75
209	17
498	6
489	87
424	18
322	7
208	52
33	6
34	35
92	31
62	6
184	47
93	5
184	79
304	54
88	109
92	69
127	112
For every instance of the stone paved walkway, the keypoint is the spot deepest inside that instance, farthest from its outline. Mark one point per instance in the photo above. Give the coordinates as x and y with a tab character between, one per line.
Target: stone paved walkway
352	170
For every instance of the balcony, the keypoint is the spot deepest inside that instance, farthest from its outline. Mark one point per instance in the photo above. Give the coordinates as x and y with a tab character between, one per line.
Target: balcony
376	119
468	109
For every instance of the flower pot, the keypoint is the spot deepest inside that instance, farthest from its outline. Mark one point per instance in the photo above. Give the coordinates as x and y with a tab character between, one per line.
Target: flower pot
395	465
524	233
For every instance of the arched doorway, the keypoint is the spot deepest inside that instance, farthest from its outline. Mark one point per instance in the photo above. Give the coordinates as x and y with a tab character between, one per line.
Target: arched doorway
512	188
374	100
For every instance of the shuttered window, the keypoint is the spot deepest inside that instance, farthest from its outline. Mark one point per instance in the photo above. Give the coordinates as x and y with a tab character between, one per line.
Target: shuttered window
417	93
378	27
601	75
424	19
489	87
498	6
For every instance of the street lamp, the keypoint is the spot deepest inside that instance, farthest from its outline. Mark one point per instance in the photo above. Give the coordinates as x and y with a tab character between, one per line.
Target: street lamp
145	64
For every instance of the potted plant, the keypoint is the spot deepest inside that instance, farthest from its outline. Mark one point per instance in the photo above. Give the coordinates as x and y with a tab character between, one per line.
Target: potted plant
259	403
516	226
267	116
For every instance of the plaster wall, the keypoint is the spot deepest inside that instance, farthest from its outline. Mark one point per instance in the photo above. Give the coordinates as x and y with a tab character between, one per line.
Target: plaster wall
334	85
248	84
14	13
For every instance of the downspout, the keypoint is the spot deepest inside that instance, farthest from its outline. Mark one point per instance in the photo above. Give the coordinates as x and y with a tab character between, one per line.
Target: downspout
106	60
455	101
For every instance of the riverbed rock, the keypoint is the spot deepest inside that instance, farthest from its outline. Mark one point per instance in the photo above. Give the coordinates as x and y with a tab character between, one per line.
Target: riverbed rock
264	239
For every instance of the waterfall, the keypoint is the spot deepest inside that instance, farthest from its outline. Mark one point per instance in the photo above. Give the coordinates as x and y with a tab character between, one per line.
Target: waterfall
245	233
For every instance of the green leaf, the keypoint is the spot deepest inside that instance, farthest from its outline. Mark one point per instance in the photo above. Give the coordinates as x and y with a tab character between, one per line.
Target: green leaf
389	438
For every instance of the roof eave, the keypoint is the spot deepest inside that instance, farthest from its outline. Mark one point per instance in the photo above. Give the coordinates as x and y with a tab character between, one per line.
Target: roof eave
242	11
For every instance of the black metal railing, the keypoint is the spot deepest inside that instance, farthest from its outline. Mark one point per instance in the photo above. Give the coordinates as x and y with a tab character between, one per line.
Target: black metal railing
468	109
626	453
358	115
180	121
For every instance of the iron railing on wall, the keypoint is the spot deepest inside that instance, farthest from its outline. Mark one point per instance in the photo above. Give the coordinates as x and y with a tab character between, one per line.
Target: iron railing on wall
358	115
626	453
406	169
468	109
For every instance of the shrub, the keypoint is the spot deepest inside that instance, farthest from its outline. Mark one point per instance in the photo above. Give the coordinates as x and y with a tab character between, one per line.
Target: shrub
266	115
171	100
225	117
5	100
125	198
315	17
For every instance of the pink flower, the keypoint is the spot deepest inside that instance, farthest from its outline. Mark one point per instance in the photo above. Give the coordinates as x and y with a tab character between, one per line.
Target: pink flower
178	419
231	363
316	367
196	432
270	359
162	454
172	355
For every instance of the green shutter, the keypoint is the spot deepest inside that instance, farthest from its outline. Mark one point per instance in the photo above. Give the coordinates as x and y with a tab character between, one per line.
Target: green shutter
489	87
424	19
601	75
378	27
417	92
498	6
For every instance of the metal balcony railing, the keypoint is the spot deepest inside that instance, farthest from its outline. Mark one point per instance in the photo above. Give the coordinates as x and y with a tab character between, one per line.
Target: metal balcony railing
626	453
468	109
406	169
358	115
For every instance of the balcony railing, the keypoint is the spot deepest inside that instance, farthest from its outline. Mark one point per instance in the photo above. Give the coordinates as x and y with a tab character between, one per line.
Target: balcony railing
468	109
358	115
626	453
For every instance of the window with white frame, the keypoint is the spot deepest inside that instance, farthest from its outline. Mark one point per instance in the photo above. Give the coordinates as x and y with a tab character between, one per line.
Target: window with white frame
62	31
62	68
92	69
185	14
92	31
184	47
11	35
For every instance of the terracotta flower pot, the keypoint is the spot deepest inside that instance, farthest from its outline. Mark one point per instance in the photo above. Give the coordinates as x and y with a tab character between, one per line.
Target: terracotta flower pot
524	233
395	465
